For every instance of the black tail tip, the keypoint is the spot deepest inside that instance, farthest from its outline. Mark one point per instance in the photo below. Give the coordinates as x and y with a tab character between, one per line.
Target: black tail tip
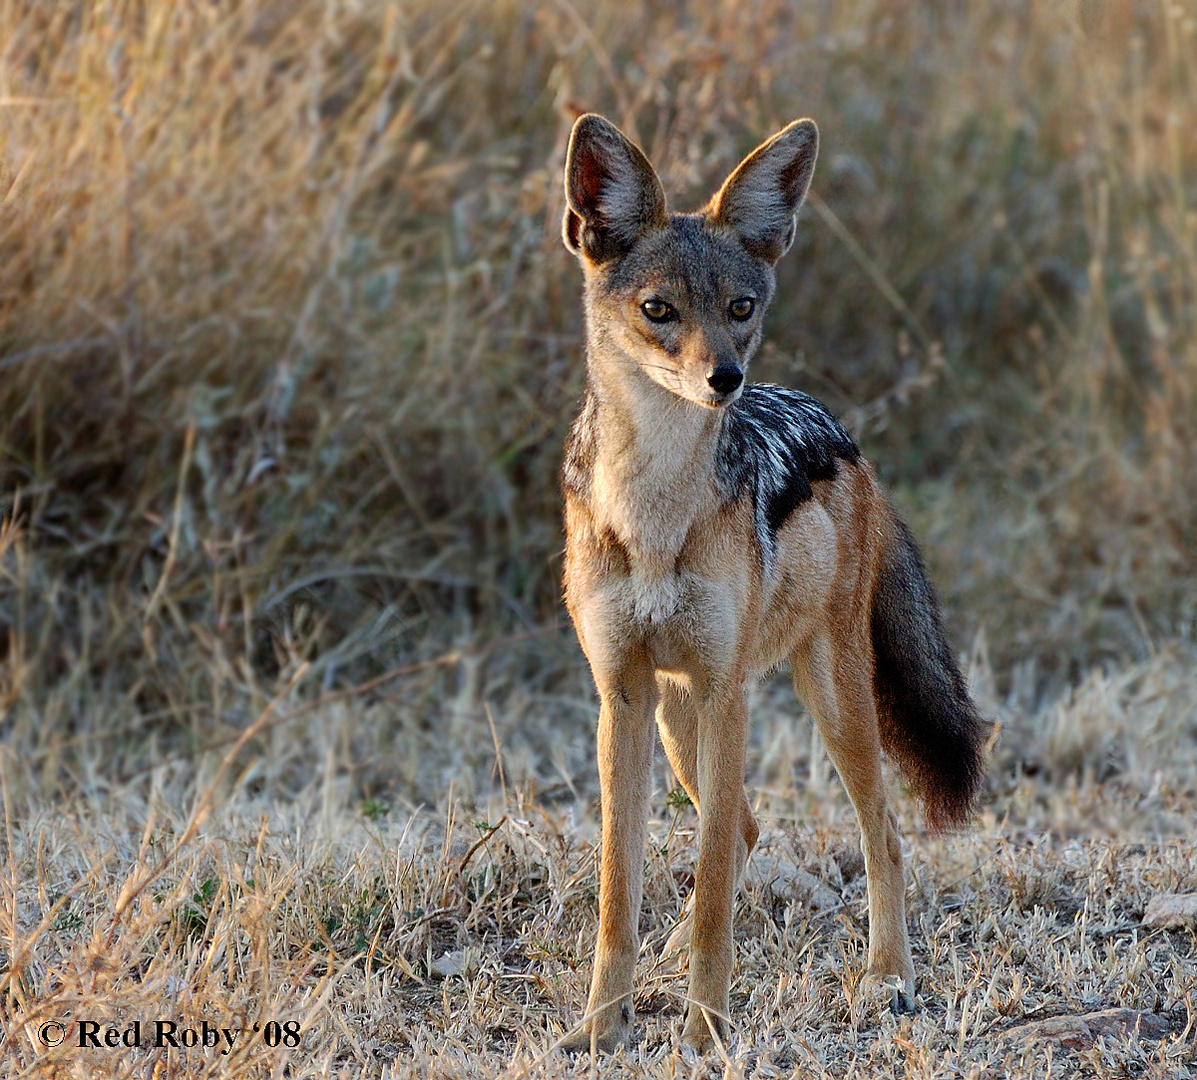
949	784
947	774
928	722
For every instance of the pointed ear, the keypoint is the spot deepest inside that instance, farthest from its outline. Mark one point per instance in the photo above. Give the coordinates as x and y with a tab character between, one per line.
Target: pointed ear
761	198
612	194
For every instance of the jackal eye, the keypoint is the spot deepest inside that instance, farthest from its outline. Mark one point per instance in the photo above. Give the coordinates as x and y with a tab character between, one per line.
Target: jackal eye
742	309
657	311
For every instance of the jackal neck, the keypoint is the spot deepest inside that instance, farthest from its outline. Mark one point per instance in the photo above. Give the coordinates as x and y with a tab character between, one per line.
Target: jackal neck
642	460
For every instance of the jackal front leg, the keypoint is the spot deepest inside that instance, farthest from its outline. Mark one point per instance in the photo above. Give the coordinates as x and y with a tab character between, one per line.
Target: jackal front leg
677	721
722	736
625	745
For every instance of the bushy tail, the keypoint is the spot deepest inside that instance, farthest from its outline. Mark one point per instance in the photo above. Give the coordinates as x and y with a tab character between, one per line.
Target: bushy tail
929	725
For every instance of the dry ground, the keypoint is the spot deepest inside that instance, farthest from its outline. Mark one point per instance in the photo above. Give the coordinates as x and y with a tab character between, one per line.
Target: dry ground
454	940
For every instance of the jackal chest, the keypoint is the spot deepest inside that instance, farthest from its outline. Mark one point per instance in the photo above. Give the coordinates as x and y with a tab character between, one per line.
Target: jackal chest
673	618
653	565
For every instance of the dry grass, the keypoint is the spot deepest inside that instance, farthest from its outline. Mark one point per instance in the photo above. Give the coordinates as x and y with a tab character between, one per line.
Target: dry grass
456	942
288	345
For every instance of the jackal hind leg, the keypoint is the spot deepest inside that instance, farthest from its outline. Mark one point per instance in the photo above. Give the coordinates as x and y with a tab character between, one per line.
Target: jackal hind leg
834	681
677	721
625	746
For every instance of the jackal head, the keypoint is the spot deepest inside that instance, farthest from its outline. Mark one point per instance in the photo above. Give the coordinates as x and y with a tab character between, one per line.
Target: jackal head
679	298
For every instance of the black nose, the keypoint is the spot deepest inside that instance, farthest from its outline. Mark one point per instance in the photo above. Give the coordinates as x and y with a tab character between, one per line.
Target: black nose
725	379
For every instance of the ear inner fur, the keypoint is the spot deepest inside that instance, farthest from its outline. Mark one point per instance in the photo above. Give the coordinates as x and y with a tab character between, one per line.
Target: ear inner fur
761	197
613	194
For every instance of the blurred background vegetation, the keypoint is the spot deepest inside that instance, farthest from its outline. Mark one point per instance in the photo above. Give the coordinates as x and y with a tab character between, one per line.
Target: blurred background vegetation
289	342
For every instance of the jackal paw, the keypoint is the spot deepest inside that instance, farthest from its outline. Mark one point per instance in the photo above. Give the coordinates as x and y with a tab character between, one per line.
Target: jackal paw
697	1033
605	1032
892	992
902	1003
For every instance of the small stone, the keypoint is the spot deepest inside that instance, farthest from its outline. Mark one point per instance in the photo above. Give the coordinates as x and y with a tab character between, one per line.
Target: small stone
1068	1031
1121	1023
1076	1032
451	963
1171	910
786	880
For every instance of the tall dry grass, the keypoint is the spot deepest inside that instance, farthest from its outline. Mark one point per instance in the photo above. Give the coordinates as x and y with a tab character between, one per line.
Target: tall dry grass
321	239
288	347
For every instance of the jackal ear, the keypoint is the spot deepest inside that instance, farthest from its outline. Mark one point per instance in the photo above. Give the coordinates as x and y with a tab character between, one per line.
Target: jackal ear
760	200
612	194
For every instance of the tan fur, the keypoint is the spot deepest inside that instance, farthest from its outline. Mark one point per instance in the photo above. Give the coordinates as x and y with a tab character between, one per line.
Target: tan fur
691	668
665	584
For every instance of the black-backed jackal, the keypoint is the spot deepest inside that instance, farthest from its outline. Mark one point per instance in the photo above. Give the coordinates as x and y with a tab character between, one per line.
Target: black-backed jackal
714	529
